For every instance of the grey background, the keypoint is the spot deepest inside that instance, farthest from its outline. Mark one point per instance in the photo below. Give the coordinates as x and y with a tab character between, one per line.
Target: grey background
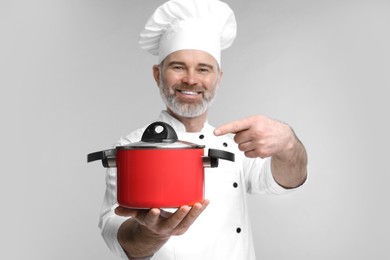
73	80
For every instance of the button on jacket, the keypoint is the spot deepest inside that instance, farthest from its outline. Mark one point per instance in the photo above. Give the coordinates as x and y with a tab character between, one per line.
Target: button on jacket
222	231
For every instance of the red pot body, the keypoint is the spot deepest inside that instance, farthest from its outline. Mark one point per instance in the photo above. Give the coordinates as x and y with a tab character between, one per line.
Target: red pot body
159	178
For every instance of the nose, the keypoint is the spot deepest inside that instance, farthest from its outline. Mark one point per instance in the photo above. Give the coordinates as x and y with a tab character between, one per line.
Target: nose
190	78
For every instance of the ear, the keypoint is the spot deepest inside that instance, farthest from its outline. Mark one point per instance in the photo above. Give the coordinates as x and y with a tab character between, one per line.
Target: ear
156	74
220	78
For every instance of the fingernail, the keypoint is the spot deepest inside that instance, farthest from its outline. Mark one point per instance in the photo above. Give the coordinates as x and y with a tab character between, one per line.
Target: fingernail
217	132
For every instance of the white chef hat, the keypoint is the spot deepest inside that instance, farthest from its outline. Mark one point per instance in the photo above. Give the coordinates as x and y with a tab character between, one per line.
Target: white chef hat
207	25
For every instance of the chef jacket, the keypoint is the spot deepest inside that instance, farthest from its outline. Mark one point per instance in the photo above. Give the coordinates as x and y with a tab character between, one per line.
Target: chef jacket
222	231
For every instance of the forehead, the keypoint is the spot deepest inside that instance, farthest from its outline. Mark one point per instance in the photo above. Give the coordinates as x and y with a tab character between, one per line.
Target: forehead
191	57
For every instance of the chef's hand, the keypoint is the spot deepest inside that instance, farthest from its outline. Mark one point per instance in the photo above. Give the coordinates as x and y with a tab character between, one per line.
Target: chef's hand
259	136
162	222
147	230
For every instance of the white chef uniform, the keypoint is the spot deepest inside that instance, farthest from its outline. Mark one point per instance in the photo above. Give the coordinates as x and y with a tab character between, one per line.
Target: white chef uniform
222	231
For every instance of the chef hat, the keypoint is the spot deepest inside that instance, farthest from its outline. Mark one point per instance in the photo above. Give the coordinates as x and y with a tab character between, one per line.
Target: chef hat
207	25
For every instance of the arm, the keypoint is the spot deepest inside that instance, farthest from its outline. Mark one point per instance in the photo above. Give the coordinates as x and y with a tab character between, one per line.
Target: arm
259	136
289	167
147	231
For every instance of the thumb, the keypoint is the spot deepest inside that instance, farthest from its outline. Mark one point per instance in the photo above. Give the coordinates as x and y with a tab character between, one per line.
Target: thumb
125	212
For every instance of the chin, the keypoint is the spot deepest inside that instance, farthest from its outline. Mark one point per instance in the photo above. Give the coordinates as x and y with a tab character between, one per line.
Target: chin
188	110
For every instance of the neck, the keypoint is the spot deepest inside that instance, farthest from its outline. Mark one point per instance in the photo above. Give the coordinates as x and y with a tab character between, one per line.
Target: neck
192	124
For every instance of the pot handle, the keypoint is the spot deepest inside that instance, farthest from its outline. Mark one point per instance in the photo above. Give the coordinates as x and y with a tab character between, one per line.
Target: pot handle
108	157
212	159
221	154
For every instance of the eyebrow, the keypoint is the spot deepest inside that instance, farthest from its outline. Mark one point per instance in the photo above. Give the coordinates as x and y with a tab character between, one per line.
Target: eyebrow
172	63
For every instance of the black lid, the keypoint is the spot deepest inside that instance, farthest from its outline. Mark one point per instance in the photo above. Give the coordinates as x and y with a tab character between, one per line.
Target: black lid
160	135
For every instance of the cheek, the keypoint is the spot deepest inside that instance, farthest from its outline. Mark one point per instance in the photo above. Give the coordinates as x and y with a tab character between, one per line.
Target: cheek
170	81
211	85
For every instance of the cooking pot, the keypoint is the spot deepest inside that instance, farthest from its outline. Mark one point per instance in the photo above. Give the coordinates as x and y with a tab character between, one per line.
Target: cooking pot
160	171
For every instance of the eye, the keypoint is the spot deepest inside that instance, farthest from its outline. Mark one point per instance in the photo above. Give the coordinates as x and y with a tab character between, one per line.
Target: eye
204	70
178	67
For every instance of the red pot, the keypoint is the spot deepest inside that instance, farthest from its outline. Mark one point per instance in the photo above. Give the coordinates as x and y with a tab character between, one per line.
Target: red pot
160	171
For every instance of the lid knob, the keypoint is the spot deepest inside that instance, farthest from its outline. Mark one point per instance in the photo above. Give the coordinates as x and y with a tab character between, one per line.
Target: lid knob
159	132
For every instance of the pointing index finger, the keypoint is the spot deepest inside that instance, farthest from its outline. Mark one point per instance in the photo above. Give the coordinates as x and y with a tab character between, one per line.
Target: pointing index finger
233	127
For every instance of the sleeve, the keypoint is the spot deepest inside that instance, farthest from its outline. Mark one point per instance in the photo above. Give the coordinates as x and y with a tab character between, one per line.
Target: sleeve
259	178
109	222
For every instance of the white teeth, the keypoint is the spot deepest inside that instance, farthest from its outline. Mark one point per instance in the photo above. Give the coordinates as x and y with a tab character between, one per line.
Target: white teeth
189	92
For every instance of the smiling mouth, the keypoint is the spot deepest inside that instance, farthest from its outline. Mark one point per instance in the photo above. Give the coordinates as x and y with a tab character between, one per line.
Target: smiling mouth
189	92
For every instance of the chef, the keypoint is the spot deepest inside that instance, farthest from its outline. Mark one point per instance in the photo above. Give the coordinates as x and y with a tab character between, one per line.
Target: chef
187	36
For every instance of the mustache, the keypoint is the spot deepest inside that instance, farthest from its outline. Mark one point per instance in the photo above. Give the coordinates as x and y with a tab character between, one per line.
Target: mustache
186	87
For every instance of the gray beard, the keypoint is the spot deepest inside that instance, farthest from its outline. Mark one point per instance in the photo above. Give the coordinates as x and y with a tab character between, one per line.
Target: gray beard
188	110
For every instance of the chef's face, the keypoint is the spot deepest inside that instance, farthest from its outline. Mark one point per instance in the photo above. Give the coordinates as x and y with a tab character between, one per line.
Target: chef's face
188	80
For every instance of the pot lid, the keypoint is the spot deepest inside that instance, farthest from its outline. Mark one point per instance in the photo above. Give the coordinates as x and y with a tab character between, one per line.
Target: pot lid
160	135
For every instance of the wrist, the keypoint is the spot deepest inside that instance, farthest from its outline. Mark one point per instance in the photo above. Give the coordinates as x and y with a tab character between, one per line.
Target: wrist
137	241
290	148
